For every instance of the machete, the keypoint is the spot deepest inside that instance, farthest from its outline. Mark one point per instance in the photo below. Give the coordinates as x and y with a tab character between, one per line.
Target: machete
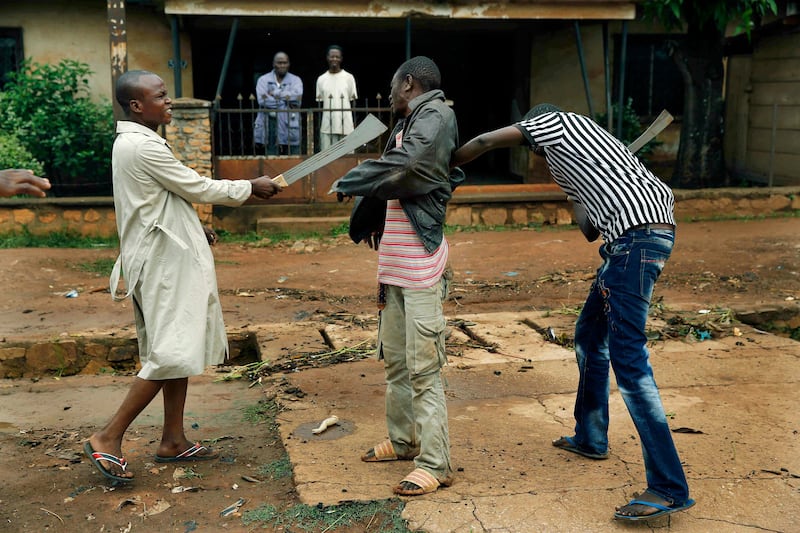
663	120
369	128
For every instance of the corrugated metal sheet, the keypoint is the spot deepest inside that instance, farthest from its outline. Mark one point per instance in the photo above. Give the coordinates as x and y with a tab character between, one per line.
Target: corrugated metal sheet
503	9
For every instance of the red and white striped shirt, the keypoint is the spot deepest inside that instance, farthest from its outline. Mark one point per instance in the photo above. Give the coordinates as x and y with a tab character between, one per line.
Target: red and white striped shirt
403	260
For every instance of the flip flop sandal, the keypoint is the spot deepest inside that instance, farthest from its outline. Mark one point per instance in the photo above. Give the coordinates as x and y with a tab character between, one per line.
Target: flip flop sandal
189	455
663	510
424	481
96	457
383	452
566	443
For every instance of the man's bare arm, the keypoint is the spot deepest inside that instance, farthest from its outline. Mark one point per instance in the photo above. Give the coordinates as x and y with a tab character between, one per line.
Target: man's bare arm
500	138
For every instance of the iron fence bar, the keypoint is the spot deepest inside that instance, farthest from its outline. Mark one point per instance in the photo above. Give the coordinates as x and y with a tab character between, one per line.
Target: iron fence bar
241	122
226	120
310	133
230	138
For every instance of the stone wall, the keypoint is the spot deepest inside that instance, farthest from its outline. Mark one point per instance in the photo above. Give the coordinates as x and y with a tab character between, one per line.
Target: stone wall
522	207
83	355
95	216
91	217
189	135
68	357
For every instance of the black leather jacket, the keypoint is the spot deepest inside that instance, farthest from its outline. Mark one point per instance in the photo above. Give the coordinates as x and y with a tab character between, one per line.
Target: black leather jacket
417	173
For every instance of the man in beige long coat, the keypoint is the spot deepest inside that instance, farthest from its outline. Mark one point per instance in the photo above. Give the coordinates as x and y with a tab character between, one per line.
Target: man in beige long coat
169	272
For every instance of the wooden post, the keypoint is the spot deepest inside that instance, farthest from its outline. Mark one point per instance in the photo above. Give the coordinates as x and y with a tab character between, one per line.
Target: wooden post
118	44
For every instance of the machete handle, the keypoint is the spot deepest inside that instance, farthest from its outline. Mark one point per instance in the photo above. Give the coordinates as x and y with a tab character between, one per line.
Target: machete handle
280	181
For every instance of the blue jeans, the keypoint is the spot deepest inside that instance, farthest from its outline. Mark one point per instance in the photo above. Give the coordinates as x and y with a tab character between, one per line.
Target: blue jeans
611	330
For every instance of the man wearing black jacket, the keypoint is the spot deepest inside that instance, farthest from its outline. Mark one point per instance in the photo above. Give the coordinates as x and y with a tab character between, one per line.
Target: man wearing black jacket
401	214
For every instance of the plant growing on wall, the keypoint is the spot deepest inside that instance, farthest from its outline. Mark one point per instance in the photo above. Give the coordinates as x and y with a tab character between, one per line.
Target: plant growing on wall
50	110
699	58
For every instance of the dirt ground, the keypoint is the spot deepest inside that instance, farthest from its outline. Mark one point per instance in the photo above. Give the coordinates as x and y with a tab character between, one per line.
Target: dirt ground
49	485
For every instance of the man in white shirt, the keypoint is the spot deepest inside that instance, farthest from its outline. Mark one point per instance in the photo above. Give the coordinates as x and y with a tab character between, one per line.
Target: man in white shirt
336	90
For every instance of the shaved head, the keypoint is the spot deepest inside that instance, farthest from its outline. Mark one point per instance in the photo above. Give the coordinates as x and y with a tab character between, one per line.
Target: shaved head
422	69
129	88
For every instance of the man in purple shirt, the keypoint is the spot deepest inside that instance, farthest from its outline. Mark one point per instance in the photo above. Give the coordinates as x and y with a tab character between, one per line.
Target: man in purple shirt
277	92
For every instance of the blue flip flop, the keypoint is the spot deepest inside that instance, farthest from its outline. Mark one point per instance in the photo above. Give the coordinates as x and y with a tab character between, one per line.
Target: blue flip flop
566	443
663	510
96	457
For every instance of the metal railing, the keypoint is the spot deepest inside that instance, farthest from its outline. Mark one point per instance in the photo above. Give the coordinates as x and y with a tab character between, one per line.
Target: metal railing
234	128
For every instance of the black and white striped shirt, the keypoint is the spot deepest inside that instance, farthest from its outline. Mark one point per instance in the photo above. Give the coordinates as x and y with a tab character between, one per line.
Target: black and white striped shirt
599	172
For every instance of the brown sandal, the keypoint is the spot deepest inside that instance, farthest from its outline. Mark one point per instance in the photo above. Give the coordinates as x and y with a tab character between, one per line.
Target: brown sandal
383	451
424	482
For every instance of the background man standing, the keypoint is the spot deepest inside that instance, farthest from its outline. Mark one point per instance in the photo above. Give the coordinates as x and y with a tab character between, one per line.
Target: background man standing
278	91
336	89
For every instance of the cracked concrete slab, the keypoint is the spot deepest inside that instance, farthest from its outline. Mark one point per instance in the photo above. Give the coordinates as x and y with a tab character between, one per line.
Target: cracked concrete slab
738	436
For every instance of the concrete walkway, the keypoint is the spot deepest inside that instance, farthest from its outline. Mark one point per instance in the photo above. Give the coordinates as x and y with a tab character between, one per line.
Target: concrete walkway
732	404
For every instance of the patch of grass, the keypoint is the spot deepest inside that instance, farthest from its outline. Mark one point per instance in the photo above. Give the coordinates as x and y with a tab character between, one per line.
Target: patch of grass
570	310
189	473
782	330
277	469
254	238
383	516
99	266
341	229
263	411
59	239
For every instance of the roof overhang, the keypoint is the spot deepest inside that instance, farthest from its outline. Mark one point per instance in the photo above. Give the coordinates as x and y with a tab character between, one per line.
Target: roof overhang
457	9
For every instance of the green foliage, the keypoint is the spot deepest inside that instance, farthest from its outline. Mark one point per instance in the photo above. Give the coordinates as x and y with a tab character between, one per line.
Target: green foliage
263	411
13	154
265	239
382	516
58	239
50	110
631	127
277	469
101	266
341	229
672	13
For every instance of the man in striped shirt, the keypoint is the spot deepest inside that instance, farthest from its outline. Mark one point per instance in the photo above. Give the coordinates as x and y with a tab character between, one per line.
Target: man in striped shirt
401	212
633	211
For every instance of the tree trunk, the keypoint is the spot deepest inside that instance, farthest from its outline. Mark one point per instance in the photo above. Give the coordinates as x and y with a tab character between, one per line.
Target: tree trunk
700	160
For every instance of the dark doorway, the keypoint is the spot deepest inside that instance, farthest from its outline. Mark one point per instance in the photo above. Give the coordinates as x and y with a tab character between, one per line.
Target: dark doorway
485	69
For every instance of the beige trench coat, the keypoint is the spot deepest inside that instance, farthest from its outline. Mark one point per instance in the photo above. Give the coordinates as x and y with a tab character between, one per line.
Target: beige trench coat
164	255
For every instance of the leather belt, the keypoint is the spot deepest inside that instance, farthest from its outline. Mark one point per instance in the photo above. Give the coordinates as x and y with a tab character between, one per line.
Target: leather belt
651	226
